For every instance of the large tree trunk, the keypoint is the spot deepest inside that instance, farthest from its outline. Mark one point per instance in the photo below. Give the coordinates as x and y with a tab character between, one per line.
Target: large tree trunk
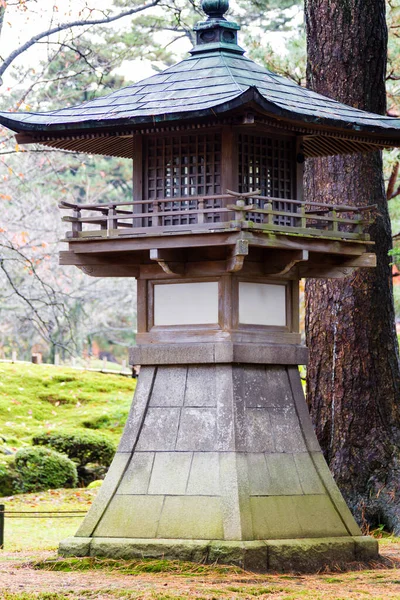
353	385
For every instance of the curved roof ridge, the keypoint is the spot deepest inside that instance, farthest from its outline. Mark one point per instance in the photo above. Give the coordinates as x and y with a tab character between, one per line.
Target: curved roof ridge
231	74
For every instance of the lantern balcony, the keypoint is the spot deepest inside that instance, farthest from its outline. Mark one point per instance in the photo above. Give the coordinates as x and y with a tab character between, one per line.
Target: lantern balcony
217	213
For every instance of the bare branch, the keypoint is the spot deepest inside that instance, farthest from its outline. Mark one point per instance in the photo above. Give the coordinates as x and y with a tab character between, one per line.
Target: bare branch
33	40
43	327
37	150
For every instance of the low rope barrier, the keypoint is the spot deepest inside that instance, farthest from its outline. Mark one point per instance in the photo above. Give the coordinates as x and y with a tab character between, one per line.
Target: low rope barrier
35	514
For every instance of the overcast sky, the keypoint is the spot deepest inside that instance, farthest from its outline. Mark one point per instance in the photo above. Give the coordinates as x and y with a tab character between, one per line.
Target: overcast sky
20	26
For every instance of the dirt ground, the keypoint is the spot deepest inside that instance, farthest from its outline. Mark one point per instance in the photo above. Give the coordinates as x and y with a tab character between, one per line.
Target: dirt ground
19	580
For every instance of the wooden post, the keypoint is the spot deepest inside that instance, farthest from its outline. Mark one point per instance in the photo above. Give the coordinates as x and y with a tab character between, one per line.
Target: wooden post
333	215
242	204
229	164
104	224
299	191
112	222
200	214
14	356
104	363
2	509
156	220
303	216
359	226
267	217
138	177
142	306
299	168
76	225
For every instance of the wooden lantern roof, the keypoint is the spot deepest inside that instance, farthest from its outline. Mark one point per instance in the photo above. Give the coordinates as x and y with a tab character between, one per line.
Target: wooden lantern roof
214	83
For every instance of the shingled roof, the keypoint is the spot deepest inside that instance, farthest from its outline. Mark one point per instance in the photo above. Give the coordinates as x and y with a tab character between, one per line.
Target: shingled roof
213	81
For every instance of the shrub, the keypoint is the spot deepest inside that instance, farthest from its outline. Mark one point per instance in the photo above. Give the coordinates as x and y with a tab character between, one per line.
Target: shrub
43	469
96	483
9	477
82	448
110	421
90	473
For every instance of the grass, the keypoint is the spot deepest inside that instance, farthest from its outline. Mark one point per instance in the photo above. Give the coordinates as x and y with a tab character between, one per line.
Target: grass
105	579
39	596
134	567
33	534
37	398
40	398
44	576
95	363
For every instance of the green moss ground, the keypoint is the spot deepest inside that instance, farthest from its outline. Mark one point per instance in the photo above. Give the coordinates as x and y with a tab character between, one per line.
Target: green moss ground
40	398
37	398
34	534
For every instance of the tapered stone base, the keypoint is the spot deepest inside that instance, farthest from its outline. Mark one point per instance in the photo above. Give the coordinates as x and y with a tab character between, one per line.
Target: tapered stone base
220	453
263	555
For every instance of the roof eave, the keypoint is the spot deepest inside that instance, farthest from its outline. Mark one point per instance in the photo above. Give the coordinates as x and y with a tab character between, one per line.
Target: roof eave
250	96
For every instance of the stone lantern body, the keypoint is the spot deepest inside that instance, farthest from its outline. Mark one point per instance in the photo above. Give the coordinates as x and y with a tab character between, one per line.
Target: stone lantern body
218	460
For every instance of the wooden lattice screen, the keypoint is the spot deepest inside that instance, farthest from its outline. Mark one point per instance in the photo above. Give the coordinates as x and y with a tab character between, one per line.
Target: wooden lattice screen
183	166
268	164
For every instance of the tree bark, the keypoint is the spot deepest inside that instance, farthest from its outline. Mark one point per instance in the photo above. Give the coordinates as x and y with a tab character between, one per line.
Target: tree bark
353	379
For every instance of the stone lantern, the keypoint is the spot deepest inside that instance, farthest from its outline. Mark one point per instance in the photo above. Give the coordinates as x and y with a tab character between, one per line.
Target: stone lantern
218	460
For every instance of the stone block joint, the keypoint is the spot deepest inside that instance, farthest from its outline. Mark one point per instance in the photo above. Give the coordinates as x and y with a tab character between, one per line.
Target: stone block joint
219	461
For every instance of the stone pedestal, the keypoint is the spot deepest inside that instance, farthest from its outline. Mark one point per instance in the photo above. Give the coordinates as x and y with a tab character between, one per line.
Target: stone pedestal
219	461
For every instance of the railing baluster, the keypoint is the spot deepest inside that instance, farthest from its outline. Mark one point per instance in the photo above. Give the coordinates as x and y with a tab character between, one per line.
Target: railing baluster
137	209
157	220
335	224
242	214
200	214
76	226
359	227
303	217
332	220
268	216
104	224
112	221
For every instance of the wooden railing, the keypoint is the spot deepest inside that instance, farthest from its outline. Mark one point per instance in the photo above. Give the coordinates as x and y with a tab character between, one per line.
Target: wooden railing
232	210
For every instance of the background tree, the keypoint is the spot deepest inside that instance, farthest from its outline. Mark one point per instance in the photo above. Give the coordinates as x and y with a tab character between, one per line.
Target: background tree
88	52
353	377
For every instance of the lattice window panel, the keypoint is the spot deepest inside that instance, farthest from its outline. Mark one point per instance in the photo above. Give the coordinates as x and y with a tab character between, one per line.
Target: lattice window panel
268	164
179	167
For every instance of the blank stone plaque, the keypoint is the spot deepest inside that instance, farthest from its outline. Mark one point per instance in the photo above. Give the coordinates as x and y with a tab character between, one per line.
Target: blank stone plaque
186	303
262	304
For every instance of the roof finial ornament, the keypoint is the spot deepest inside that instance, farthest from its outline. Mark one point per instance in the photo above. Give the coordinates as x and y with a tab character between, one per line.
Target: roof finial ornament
216	34
215	9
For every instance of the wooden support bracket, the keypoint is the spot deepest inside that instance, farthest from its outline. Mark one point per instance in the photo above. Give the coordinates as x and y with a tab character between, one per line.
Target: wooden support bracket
100	266
326	272
284	262
239	251
166	261
110	270
338	267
